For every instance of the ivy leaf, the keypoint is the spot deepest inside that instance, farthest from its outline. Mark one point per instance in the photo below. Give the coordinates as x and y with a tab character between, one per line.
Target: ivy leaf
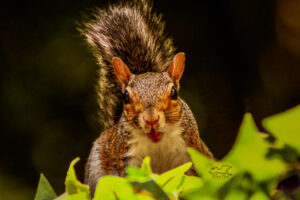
247	158
77	196
64	196
212	174
234	194
113	187
285	127
171	181
136	174
174	187
140	174
73	186
249	153
199	194
152	187
142	179
144	196
207	168
190	184
44	190
259	195
164	178
146	167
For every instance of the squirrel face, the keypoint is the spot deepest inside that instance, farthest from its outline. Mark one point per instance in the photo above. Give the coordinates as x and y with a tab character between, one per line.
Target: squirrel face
151	102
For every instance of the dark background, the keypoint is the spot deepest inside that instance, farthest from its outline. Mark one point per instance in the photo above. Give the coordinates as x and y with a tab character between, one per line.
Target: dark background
242	56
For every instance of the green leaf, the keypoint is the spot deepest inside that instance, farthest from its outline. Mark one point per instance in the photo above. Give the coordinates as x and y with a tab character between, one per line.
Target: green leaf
241	182
141	174
210	171
44	190
190	184
77	196
136	174
285	127
113	187
144	197
246	159
174	186
146	167
285	153
199	194
259	195
73	186
249	153
152	187
235	194
172	181
201	163
142	180
211	182
164	178
64	196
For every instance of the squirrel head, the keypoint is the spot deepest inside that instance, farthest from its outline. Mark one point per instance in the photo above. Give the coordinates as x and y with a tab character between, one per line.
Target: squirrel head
151	102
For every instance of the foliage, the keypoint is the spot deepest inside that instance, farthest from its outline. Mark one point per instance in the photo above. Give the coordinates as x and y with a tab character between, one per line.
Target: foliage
44	191
251	170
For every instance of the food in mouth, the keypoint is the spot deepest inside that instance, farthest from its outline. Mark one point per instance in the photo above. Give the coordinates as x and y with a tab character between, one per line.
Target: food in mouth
154	135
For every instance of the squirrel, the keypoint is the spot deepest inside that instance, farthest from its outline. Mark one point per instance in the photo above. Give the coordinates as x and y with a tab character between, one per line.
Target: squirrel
137	90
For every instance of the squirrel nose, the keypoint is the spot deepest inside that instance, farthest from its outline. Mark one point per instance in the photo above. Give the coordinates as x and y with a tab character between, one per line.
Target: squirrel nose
152	121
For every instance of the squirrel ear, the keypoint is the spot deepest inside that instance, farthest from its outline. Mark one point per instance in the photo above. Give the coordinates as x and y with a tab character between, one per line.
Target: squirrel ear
176	68
121	70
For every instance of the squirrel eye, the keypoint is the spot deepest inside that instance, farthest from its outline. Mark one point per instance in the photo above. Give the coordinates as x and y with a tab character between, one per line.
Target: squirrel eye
174	93
126	97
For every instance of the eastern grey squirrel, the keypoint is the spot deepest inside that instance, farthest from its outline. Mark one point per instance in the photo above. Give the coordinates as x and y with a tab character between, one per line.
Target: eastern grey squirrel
138	93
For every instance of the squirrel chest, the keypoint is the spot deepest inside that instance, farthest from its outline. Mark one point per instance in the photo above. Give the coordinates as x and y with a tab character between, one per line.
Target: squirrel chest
166	154
116	148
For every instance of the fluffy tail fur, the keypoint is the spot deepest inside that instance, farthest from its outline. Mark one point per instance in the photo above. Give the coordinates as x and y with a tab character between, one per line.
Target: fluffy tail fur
129	30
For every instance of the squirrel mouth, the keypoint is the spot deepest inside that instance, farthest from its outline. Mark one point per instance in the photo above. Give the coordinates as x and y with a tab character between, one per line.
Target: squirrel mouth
154	135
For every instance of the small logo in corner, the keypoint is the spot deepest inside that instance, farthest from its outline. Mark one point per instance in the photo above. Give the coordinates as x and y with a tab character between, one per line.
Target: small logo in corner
220	172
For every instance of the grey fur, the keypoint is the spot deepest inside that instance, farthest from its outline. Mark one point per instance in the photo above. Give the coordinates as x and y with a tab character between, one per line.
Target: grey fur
94	167
131	31
150	87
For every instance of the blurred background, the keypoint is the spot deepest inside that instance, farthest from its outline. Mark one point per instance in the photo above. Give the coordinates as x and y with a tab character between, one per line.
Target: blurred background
242	56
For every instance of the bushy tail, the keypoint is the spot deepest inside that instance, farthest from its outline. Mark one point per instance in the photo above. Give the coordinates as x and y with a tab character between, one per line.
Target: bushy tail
131	31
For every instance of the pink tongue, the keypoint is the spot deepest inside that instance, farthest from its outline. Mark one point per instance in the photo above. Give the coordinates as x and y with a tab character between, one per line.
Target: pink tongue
154	136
